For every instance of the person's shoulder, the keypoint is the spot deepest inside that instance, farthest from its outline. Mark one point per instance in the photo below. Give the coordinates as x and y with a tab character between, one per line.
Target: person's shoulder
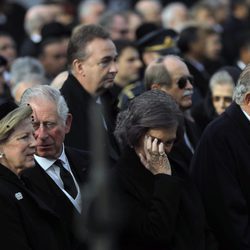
33	173
221	128
70	84
129	92
219	124
79	153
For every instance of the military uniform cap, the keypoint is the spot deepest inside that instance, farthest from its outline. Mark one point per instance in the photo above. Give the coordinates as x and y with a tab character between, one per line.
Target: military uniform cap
161	40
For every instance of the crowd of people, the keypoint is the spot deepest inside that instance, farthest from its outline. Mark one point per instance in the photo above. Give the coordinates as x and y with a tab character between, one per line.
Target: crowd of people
124	125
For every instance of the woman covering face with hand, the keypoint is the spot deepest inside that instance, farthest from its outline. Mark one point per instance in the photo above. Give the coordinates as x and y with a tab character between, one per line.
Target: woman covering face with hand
160	206
26	223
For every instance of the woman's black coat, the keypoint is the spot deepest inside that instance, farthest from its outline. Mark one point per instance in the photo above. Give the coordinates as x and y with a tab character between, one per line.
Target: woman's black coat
159	211
26	222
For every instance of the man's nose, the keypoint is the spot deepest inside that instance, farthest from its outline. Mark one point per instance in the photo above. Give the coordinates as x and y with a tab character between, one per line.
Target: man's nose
33	142
189	85
41	132
114	67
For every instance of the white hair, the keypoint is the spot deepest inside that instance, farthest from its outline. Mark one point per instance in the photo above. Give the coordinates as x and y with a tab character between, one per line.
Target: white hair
169	14
221	77
243	86
24	66
84	7
49	93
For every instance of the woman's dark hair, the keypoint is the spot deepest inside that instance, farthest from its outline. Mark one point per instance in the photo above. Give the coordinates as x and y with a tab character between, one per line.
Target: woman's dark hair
150	110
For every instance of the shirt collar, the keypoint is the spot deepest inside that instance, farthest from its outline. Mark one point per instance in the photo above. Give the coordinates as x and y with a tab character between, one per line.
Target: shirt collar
246	114
241	65
47	163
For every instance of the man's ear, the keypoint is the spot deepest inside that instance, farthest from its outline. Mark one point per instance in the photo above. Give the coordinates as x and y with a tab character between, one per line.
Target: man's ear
68	123
155	86
247	99
78	66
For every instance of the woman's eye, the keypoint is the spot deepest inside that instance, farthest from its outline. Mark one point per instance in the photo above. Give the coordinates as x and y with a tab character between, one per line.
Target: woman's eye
24	137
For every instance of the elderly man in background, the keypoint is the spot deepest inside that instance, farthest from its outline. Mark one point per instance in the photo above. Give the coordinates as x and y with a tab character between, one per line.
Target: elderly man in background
221	171
171	75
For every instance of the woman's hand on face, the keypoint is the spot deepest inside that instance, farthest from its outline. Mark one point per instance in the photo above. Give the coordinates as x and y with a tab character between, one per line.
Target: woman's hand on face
155	158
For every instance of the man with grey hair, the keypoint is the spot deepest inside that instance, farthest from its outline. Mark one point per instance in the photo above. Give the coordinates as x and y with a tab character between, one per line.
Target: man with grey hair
220	169
219	97
150	10
171	75
90	11
175	16
59	170
23	66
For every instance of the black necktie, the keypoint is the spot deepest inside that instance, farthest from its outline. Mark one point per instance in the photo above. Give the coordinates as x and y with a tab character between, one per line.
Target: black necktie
68	181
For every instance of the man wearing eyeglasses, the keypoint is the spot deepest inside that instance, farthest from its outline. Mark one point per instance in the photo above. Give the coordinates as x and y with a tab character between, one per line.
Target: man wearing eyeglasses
171	75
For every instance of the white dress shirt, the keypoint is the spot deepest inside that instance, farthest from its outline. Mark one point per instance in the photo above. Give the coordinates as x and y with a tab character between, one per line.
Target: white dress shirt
246	114
54	172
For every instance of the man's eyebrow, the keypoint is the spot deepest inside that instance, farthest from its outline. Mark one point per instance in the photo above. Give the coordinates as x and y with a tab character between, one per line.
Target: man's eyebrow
109	57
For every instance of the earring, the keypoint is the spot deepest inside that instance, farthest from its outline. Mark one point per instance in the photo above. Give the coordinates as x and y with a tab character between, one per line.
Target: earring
1	155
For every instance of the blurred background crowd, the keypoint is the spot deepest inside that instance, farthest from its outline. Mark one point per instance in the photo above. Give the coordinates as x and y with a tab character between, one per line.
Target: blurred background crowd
208	34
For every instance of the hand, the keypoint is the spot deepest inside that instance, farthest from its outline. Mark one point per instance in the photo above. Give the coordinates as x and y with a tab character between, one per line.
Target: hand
155	159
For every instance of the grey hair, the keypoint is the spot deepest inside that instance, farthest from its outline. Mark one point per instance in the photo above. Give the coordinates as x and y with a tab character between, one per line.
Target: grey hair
243	86
221	77
168	13
107	18
34	19
49	93
28	79
85	6
152	109
156	72
23	66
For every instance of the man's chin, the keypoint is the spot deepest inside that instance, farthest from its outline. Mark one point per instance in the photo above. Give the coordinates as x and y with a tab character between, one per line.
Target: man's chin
44	153
186	105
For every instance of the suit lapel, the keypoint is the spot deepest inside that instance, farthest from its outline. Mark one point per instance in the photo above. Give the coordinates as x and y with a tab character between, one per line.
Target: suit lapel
79	164
39	182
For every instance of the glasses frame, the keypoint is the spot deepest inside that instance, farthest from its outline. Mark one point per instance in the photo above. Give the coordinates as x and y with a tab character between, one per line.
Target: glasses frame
182	82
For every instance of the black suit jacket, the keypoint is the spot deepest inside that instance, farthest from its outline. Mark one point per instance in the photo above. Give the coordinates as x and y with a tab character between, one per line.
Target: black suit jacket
160	211
40	183
180	150
79	102
26	221
221	171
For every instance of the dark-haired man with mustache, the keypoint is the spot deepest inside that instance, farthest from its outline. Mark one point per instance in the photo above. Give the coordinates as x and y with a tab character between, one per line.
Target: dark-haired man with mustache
170	74
92	62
